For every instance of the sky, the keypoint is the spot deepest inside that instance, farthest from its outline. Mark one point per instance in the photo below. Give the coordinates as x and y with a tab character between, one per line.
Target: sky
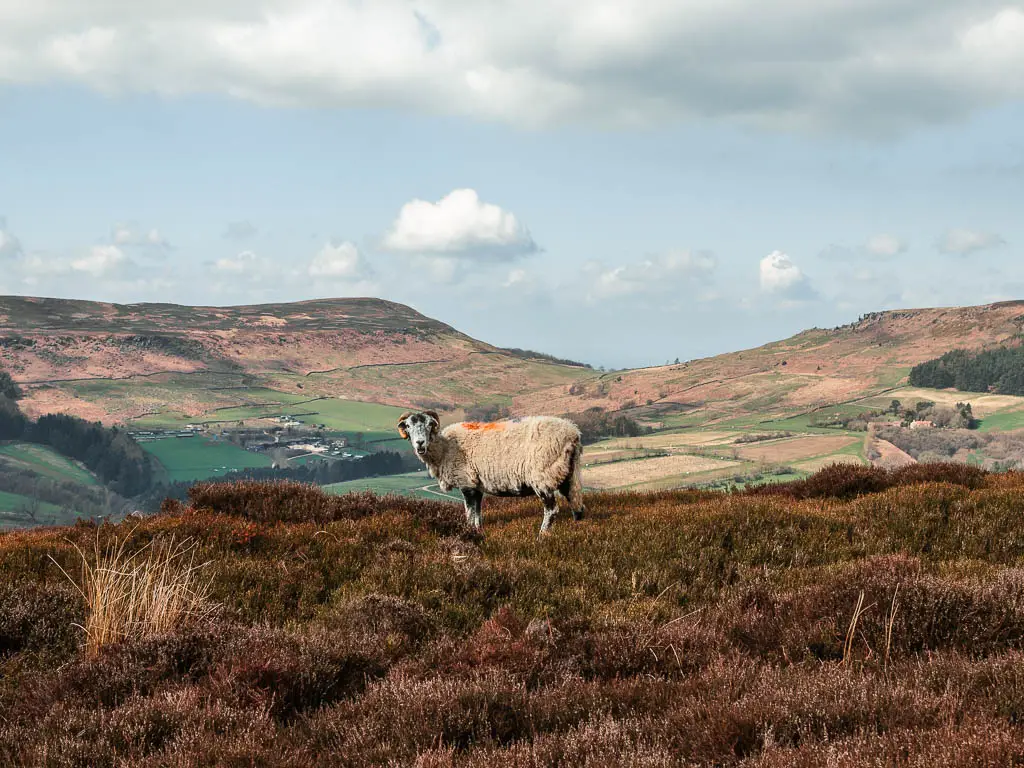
623	182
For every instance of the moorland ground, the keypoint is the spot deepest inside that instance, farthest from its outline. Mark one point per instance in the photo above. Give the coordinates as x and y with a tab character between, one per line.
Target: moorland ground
856	617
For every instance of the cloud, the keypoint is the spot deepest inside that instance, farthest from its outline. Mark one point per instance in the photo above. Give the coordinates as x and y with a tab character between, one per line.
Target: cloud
339	262
779	276
842	67
876	248
126	236
665	273
885	246
966	241
244	263
239	230
101	260
459	224
10	246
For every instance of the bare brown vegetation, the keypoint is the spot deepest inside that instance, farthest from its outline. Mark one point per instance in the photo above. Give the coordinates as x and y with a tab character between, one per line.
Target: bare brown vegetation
861	617
152	591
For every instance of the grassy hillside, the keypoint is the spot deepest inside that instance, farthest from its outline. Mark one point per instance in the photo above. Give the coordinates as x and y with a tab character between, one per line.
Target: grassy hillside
857	619
45	461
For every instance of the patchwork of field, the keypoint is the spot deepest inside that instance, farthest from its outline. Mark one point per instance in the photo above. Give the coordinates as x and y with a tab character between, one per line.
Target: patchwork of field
982	403
624	474
667	440
195	458
793	449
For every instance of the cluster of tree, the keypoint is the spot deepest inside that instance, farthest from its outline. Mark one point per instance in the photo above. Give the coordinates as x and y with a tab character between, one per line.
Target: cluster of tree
529	354
994	370
112	455
9	387
758	437
597	424
959	416
932	444
487	412
320	472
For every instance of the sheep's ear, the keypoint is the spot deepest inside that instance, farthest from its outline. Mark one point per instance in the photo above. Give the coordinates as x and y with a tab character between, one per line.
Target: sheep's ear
437	421
401	425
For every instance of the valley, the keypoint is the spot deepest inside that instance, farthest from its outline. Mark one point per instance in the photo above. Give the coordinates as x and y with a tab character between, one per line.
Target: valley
206	390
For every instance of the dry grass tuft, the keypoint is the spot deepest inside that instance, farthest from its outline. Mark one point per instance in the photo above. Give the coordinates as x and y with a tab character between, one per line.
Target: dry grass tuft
155	590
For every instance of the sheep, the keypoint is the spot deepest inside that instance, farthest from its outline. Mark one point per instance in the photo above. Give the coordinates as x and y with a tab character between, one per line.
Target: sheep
515	457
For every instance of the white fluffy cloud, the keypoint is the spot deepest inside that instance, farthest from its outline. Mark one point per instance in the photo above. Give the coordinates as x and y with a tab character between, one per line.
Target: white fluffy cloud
460	223
339	262
966	241
661	274
845	66
101	260
781	277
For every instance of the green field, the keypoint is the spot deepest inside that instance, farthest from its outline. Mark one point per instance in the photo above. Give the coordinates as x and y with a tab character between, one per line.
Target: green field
259	402
45	461
409	484
1002	422
195	458
46	513
346	416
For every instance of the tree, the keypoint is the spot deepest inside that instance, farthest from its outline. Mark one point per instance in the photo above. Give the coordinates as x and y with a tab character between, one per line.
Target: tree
12	421
894	407
9	387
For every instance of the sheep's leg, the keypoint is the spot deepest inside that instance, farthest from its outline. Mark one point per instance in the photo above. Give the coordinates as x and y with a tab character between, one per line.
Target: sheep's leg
473	499
550	510
572	487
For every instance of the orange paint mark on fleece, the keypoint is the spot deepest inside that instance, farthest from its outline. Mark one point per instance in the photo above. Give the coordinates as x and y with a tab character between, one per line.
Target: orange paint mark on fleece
489	426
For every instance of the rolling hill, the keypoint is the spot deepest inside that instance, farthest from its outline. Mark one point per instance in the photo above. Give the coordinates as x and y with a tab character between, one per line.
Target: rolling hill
121	363
813	370
351	364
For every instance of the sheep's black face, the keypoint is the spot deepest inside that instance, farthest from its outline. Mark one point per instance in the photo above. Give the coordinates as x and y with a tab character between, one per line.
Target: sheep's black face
419	429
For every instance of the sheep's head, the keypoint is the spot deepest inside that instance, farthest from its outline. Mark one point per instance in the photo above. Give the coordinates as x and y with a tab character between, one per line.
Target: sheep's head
419	429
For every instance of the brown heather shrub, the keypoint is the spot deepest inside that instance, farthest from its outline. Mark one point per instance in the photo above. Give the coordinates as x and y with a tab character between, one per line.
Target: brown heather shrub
39	618
845	481
287	501
666	629
286	674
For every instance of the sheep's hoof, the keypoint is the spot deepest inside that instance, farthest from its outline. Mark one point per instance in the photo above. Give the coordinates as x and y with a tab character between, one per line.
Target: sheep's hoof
579	514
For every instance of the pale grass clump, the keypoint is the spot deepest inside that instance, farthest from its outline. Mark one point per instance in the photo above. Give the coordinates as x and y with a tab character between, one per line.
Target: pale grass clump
149	592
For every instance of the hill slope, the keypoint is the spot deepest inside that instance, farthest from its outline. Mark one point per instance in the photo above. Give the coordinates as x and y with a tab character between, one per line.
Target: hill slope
811	370
117	362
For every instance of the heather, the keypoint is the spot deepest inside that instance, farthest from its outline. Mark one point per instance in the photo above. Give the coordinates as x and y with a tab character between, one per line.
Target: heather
858	617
